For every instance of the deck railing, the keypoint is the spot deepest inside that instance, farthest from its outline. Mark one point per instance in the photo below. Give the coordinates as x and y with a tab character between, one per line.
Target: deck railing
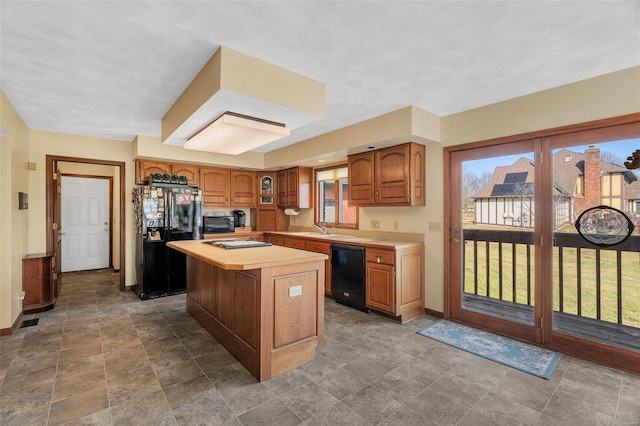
599	283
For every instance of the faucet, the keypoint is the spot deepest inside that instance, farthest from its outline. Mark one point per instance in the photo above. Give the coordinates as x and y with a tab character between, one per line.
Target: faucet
322	229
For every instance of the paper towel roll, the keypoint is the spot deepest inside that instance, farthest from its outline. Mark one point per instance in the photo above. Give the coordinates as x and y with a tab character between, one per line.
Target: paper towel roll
291	212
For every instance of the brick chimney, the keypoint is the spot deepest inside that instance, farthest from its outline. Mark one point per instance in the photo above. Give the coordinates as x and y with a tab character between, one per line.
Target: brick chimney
592	181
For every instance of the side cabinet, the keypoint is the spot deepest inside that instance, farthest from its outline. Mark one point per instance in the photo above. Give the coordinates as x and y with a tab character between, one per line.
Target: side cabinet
37	283
294	187
361	179
144	168
395	281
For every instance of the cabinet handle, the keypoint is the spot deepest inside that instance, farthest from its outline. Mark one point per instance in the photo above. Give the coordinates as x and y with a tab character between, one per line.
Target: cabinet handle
370	194
378	259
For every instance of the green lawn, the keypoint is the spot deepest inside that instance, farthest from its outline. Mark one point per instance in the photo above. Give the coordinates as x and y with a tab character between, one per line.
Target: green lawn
608	293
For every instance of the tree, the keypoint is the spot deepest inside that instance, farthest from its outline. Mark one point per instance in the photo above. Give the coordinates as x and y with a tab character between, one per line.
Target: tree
471	184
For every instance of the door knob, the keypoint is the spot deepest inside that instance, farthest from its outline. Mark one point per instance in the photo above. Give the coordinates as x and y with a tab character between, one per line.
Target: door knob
106	229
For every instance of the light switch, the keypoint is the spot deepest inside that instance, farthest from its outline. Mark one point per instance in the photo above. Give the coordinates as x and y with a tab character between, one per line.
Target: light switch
295	291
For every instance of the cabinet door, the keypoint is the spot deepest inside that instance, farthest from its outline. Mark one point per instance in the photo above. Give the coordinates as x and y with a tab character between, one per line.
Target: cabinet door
215	186
380	286
282	188
144	168
292	188
192	173
243	188
361	179
392	183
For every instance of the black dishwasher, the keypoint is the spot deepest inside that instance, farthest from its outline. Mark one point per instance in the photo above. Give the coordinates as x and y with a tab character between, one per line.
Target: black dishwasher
348	275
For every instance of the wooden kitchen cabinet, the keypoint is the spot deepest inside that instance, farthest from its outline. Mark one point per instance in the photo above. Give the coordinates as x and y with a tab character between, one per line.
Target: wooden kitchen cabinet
266	189
361	179
191	172
144	168
215	183
294	187
243	188
227	187
37	283
392	176
269	219
395	281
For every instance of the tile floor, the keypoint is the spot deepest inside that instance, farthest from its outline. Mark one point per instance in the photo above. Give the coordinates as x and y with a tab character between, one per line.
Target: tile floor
104	357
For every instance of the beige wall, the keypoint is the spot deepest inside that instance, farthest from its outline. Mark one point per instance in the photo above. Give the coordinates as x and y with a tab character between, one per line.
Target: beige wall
85	169
14	155
49	143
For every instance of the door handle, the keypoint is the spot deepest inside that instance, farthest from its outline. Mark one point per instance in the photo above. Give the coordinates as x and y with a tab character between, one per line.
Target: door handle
456	241
106	229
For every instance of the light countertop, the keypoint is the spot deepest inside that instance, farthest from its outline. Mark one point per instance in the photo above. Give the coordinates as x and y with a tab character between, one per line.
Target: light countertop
245	258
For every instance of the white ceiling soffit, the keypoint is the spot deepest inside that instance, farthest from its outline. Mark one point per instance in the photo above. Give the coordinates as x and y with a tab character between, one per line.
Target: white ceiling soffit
224	100
112	69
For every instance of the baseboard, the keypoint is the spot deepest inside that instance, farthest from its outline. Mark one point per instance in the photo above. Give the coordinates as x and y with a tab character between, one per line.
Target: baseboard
433	313
10	330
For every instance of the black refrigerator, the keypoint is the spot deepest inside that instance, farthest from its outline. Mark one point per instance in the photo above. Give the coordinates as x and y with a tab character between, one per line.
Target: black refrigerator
164	213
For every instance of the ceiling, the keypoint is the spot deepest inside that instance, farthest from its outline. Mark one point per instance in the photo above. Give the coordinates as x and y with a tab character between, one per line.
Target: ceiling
113	69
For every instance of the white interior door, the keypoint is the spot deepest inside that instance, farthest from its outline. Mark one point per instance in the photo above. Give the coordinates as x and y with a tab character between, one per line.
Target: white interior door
85	223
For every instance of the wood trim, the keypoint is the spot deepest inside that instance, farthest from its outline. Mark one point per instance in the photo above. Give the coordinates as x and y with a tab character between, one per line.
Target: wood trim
9	330
50	188
544	141
433	313
552	132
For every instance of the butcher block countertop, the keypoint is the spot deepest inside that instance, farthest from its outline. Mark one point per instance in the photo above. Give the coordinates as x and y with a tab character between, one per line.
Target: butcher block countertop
245	258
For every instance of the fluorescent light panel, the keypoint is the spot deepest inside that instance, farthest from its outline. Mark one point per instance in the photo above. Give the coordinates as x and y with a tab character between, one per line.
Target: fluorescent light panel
234	134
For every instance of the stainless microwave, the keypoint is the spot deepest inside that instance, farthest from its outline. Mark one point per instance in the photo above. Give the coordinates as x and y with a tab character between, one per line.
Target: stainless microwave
218	224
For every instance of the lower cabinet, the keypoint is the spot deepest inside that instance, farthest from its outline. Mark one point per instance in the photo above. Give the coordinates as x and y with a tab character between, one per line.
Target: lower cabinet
37	283
395	281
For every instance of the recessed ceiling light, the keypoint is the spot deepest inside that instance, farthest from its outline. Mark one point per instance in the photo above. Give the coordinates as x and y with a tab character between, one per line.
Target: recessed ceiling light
322	161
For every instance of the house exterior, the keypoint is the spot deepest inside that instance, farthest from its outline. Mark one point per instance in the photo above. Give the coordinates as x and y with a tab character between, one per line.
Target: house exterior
581	181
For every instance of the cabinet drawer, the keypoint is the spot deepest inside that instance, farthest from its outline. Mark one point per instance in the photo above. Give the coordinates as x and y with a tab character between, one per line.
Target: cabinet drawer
318	247
387	257
294	243
276	240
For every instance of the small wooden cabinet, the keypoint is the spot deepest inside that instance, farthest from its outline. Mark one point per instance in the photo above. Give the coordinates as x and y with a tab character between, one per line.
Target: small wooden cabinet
227	187
294	188
395	281
144	168
37	283
269	219
392	176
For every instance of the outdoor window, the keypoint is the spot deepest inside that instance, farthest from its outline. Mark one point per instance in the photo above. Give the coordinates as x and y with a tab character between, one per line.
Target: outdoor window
332	199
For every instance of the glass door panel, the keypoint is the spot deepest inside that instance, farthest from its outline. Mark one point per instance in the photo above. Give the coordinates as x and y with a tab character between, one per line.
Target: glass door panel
493	238
596	288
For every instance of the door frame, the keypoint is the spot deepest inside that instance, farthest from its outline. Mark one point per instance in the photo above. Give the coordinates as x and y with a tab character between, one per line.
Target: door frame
52	203
110	179
591	350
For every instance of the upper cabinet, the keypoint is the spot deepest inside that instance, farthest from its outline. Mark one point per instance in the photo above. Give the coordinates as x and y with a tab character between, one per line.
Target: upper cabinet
215	183
243	188
144	168
392	176
227	187
191	172
294	187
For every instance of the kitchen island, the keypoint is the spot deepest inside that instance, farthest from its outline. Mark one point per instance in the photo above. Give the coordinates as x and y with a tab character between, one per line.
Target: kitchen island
265	305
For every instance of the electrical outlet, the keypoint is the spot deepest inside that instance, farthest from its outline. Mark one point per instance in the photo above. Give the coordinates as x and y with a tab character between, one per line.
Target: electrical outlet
295	291
293	219
375	224
395	225
435	227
